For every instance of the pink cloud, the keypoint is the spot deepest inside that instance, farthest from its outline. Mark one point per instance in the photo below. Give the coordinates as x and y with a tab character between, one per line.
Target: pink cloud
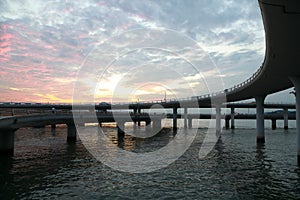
5	43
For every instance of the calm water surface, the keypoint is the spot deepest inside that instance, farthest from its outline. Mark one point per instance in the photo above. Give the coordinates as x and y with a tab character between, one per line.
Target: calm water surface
46	166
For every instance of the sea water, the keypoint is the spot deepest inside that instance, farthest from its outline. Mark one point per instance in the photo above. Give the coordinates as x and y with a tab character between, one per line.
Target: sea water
45	166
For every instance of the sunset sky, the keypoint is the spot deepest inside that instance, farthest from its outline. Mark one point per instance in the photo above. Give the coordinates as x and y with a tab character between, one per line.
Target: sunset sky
49	46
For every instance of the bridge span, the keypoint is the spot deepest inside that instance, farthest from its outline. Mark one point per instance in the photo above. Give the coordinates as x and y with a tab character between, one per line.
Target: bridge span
8	125
137	107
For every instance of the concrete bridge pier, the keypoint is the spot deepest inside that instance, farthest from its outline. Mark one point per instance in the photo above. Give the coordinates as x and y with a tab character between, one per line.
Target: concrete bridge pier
135	114
218	119
121	128
190	122
274	124
232	118
148	122
7	142
296	82
174	119
285	118
260	124
185	117
157	123
138	117
148	125
227	123
71	133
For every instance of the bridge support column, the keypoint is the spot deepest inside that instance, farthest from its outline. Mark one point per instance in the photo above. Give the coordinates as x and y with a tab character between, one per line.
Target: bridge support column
227	123
190	122
260	124
185	117
138	117
232	118
274	124
7	142
135	114
121	128
174	119
157	123
218	119
148	125
148	122
71	133
285	118
296	82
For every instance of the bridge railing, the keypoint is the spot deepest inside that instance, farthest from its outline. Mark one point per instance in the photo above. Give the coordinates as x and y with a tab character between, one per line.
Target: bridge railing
229	90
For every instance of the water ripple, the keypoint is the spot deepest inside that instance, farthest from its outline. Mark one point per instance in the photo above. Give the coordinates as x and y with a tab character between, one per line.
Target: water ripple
45	166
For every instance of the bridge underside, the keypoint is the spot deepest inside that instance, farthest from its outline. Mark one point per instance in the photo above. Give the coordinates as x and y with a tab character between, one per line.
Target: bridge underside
282	30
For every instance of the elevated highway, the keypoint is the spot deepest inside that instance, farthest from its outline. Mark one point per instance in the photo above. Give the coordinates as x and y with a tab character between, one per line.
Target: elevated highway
281	19
8	125
140	105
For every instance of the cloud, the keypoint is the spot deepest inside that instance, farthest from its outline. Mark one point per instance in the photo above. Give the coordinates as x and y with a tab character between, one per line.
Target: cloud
44	44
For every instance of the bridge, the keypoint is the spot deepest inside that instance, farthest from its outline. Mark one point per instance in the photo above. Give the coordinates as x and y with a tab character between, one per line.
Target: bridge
44	115
14	109
279	71
8	125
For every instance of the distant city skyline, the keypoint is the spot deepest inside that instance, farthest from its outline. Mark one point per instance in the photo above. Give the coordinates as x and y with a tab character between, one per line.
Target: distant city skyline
45	44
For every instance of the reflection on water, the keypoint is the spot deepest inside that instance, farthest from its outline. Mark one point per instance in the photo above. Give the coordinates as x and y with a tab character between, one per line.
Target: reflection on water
140	145
46	166
147	155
